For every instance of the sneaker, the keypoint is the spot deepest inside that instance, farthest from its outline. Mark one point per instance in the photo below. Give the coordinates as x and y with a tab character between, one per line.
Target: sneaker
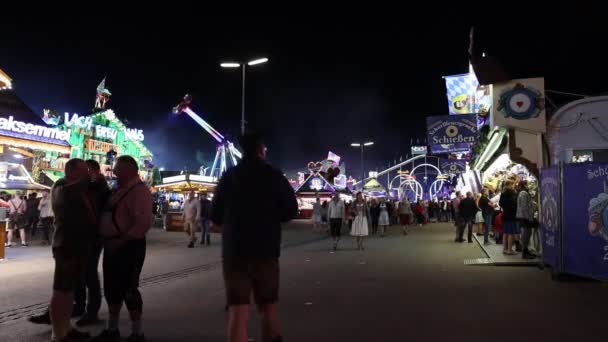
87	320
77	335
108	336
8	245
508	253
487	243
136	338
191	244
44	318
23	244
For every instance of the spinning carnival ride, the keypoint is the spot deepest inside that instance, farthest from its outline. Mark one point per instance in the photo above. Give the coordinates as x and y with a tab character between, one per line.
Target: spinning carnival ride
421	180
226	152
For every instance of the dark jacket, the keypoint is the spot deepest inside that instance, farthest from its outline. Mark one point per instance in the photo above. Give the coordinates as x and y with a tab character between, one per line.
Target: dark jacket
74	217
205	208
468	209
251	201
374	212
99	192
484	205
508	203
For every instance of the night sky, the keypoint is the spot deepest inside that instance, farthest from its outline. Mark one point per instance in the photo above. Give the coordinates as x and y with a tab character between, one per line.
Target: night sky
329	82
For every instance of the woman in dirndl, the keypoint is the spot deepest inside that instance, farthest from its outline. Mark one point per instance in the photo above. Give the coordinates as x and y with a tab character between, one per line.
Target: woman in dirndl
360	228
384	219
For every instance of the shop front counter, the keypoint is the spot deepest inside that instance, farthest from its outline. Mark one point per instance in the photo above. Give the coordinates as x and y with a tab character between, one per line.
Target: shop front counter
175	222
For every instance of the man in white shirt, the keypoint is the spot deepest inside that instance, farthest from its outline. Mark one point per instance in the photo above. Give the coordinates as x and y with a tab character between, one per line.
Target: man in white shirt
16	216
191	217
335	216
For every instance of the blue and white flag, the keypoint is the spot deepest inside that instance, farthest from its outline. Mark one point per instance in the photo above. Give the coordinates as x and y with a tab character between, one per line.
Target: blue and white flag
461	90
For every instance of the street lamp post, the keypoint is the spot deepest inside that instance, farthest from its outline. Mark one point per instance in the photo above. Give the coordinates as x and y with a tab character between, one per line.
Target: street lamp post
362	145
243	65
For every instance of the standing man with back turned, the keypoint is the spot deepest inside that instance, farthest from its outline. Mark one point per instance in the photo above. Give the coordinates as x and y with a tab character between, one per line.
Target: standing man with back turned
250	219
74	222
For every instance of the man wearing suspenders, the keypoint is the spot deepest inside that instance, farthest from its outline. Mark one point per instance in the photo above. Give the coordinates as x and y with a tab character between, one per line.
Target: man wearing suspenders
16	215
124	224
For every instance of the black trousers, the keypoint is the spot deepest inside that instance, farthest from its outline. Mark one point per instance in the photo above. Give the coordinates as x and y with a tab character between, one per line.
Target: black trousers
461	227
335	227
90	285
121	271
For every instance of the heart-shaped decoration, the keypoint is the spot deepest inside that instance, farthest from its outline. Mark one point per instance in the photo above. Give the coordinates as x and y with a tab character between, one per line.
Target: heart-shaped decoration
519	103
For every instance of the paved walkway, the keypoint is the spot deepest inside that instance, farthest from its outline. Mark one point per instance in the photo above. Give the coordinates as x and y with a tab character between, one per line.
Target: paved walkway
401	288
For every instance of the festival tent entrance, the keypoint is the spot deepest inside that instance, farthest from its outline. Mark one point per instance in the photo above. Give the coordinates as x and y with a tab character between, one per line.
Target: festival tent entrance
373	188
315	186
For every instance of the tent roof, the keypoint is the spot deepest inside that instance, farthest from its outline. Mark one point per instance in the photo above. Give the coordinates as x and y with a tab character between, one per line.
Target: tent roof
308	187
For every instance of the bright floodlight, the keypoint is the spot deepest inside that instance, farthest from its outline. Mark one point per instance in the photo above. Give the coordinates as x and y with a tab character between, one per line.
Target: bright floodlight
258	61
355	144
230	65
369	143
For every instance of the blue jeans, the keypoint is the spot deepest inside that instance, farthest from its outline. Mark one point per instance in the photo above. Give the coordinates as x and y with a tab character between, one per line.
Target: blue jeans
487	223
205	233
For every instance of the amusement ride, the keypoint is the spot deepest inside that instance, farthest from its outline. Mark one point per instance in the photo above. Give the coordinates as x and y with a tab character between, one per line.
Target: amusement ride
227	155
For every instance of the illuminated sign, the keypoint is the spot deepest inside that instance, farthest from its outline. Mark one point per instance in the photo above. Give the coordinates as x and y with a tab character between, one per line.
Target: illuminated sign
27	128
134	134
418	150
105	132
205	179
78	121
86	122
316	184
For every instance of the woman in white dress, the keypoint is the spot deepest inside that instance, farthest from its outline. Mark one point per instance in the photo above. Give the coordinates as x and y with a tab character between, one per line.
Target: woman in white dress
384	220
360	228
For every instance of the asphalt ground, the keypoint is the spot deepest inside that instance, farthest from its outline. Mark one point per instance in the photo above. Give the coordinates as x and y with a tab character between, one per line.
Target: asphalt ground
401	288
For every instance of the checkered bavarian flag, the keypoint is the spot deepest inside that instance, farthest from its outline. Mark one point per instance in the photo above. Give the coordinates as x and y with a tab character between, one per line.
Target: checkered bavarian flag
461	93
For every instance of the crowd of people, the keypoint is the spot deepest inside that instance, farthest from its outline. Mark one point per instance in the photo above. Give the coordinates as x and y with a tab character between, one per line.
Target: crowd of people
509	216
87	218
374	215
27	215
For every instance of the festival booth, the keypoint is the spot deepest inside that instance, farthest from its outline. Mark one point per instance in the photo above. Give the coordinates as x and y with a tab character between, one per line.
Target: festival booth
574	219
174	189
512	146
100	136
14	177
578	132
44	143
315	186
373	188
24	136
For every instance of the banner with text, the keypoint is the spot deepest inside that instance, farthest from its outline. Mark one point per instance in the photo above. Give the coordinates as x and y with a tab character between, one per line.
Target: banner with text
585	219
550	216
450	148
452	129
